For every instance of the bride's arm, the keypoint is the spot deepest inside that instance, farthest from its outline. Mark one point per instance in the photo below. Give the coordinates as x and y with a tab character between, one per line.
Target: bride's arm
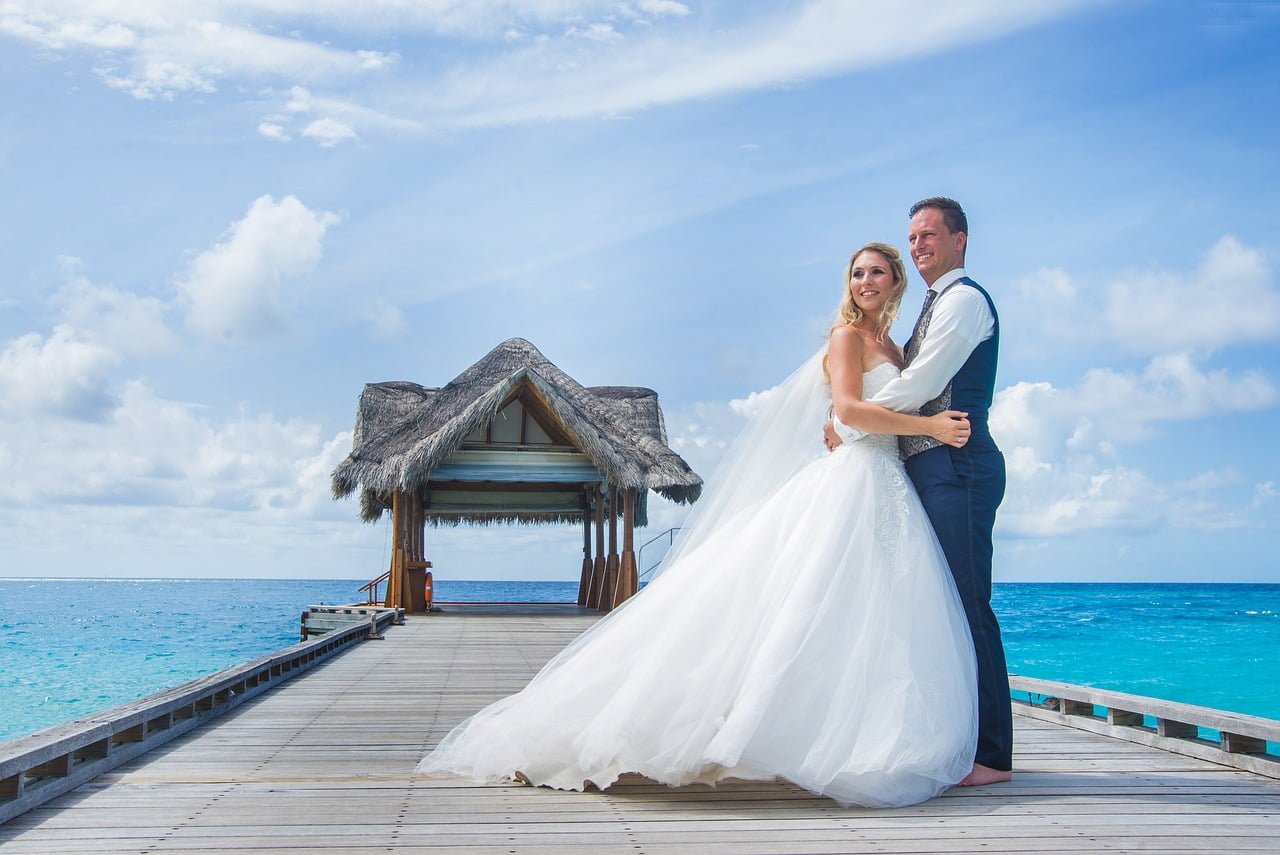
846	351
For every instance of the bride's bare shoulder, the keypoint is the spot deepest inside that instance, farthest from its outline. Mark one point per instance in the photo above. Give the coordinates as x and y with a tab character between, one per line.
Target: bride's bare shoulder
848	340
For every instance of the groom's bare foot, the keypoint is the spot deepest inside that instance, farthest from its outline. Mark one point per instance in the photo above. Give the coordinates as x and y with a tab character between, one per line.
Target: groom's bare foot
983	775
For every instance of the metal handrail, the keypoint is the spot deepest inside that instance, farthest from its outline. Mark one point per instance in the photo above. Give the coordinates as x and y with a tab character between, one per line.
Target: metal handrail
670	535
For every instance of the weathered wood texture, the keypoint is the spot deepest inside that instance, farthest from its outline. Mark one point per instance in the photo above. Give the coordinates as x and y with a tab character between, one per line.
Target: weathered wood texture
1201	732
324	765
41	766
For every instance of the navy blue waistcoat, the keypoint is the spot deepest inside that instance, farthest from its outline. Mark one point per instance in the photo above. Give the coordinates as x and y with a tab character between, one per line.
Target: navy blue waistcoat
970	390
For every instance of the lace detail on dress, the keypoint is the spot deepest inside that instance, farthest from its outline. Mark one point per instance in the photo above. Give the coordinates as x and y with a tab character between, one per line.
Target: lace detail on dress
891	519
893	509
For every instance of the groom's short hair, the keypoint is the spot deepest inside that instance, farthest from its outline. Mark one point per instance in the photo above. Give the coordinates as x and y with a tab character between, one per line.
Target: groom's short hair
952	213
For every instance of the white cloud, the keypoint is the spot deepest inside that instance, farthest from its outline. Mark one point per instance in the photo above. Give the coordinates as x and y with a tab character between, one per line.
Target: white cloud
1214	479
273	131
61	375
120	321
754	402
148	451
338	118
387	320
1062	445
231	290
1231	297
157	50
59	29
597	32
329	132
1075	496
660	8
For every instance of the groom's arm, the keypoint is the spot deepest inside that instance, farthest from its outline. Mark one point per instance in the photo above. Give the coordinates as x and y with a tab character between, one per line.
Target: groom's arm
961	321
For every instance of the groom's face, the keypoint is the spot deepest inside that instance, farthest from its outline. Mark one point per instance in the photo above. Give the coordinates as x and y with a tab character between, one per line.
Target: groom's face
934	248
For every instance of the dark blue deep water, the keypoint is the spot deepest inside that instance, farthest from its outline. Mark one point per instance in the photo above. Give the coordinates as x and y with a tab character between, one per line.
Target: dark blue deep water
70	647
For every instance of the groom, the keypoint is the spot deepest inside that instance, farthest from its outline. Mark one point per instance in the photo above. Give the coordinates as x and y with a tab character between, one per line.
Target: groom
951	365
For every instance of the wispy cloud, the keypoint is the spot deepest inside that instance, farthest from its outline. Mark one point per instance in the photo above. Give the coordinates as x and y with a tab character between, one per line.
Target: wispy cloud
530	61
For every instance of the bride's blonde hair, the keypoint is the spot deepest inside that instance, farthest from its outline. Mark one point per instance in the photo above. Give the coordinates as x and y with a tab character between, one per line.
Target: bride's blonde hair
848	313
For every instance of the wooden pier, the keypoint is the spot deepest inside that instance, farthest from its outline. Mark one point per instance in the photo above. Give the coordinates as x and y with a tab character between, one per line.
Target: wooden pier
323	764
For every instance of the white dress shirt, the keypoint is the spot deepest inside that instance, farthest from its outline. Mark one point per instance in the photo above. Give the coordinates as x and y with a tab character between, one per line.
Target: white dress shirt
961	321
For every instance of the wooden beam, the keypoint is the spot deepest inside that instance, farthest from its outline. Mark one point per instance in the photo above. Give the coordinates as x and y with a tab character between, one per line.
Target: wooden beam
628	581
584	583
598	566
395	583
414	563
610	595
506	486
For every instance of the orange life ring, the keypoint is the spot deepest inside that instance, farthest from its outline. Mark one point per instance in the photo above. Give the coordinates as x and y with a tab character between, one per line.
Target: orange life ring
427	591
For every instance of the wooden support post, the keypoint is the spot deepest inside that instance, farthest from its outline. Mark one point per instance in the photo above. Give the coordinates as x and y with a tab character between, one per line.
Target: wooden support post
1066	706
584	584
610	595
598	567
395	582
1237	744
628	581
415	573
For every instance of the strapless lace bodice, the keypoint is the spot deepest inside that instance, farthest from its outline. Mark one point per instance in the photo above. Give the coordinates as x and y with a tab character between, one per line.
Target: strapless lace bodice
877	378
872	382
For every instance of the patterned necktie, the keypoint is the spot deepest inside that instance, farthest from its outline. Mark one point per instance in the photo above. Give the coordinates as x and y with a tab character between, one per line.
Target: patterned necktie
913	346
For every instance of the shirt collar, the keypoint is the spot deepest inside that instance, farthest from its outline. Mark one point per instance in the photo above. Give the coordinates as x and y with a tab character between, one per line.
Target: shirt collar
947	278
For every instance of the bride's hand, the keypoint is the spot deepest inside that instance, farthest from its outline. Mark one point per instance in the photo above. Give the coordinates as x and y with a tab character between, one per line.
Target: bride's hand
950	428
830	438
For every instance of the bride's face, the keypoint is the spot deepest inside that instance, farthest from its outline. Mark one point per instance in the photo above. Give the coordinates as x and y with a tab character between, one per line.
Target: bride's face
870	281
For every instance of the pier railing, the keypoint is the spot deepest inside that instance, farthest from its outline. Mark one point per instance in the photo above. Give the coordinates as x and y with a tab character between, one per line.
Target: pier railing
38	767
319	620
1232	739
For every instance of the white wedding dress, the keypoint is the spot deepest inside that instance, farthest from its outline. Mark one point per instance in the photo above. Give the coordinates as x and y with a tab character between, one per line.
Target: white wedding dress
806	630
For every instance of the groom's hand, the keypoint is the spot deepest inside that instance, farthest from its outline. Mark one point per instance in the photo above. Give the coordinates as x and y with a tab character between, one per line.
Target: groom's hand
829	436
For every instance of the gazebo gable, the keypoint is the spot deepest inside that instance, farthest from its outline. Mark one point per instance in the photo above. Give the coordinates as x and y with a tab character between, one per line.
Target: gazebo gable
523	419
523	446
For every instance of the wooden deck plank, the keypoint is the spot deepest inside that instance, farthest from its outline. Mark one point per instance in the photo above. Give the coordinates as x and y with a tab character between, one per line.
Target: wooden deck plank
324	765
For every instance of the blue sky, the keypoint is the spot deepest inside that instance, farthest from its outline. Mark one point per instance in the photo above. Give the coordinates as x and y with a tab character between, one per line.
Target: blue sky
222	219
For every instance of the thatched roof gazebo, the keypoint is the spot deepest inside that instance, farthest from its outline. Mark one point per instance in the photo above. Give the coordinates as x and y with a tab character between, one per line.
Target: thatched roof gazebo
513	439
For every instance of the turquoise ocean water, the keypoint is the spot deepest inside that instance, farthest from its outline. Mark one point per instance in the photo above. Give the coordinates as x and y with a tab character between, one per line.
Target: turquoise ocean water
71	647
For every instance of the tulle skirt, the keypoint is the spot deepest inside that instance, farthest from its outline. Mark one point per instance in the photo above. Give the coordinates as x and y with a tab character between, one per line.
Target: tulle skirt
815	638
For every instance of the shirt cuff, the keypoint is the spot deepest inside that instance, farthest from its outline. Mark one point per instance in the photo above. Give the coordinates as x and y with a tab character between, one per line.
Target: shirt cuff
846	433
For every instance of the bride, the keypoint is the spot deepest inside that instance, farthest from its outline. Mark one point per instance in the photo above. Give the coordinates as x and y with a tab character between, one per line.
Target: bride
805	626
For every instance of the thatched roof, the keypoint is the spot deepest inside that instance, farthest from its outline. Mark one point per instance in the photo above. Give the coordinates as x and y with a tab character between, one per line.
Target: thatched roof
404	432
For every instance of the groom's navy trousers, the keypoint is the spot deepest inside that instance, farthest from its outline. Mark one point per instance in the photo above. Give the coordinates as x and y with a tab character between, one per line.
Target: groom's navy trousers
961	489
